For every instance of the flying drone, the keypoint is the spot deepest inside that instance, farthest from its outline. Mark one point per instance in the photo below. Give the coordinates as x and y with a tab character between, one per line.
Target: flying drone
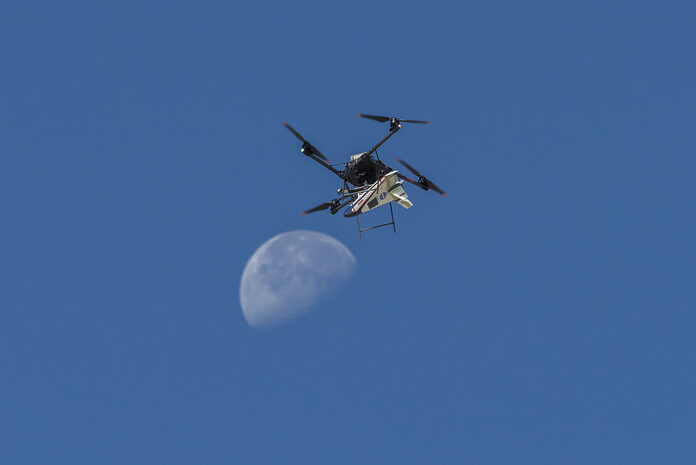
368	182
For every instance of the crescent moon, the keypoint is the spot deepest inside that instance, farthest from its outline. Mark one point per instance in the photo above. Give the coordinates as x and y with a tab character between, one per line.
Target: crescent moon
289	273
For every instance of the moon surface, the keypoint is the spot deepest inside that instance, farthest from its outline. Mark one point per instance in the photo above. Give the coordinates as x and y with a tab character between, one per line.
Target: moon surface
289	273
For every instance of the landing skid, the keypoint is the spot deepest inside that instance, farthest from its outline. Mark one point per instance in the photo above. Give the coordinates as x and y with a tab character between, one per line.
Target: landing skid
392	223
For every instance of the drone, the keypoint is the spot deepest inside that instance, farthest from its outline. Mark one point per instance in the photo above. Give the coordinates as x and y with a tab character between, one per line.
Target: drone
368	182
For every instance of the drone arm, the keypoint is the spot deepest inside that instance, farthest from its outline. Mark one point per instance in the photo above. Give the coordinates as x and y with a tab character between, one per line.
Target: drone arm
391	133
334	206
326	165
423	182
346	201
415	183
312	152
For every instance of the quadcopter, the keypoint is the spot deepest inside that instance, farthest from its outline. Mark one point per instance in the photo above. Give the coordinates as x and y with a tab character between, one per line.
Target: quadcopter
368	182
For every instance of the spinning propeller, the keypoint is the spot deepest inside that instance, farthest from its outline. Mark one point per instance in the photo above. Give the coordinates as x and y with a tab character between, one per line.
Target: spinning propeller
323	206
423	182
335	206
393	121
307	148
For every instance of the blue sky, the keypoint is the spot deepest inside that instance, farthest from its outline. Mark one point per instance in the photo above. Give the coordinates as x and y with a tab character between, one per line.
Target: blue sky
542	313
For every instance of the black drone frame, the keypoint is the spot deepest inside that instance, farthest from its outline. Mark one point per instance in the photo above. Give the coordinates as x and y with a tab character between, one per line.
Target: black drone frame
349	195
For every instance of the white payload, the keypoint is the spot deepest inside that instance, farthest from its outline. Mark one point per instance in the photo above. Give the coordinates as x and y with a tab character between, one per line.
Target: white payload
387	189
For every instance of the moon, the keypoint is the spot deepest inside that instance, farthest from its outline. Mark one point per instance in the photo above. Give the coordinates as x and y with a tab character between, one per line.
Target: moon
289	273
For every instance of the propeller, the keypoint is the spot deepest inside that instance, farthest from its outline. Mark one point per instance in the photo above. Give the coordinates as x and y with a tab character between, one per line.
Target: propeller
323	206
393	120
423	182
335	205
307	148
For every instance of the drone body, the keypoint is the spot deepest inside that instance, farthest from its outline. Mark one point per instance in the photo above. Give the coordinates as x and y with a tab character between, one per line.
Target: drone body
368	182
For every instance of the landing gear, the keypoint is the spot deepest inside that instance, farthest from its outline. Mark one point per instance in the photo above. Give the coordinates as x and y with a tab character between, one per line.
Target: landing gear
392	223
